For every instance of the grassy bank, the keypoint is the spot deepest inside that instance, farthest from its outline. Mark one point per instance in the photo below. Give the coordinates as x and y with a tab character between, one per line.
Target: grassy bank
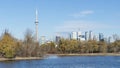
89	54
20	58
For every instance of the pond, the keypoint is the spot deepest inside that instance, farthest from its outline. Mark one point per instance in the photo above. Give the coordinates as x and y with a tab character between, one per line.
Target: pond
66	62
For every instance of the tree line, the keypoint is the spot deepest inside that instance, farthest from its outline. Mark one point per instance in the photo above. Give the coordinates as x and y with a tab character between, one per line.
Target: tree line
11	47
66	46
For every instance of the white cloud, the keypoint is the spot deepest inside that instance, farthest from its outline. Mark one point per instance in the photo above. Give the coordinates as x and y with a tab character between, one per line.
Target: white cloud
82	13
83	25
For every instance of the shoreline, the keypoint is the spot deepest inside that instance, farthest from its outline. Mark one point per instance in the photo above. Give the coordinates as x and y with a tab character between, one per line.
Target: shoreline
20	58
38	58
88	54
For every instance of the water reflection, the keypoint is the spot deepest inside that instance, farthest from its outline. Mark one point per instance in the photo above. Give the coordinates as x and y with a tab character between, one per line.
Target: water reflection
52	57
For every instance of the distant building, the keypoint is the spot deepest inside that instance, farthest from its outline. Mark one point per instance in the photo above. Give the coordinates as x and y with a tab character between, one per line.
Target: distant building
95	38
116	37
57	39
90	35
82	38
74	35
86	36
101	37
42	40
69	36
109	39
105	39
79	36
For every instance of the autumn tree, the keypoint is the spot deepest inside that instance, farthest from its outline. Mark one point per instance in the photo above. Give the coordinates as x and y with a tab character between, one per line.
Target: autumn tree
62	46
115	46
28	43
102	47
7	45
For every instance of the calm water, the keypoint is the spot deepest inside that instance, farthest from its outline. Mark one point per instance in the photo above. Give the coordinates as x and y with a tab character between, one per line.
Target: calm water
66	62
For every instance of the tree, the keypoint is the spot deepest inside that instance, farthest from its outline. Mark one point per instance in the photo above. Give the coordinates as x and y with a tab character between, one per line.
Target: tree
72	45
102	47
28	43
52	47
7	45
19	48
116	46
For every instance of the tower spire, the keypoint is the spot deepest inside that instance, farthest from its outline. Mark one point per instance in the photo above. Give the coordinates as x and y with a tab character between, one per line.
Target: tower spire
36	23
36	19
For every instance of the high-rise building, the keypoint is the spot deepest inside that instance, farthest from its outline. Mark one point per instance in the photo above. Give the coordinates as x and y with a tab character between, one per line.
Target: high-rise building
109	39
57	39
90	35
116	37
43	40
74	35
86	36
36	23
95	38
105	39
79	35
101	37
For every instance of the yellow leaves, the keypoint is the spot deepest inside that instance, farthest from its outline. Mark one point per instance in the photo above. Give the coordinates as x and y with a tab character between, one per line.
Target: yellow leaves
7	45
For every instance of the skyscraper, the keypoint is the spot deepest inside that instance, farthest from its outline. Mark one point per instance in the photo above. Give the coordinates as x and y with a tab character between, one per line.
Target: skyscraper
95	37
101	37
79	35
90	35
42	40
74	35
86	36
36	23
57	40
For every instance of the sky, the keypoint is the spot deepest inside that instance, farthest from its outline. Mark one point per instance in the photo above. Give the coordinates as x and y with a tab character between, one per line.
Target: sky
60	16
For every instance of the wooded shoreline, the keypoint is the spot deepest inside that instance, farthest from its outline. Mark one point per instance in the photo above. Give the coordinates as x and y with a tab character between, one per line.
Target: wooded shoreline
28	49
11	47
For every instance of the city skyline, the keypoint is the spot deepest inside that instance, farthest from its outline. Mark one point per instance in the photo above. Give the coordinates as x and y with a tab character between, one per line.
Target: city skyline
60	16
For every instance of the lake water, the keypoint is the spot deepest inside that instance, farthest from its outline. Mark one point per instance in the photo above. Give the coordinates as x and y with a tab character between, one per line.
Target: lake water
66	62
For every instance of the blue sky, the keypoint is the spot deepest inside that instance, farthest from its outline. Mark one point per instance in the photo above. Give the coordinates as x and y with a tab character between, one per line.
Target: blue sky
60	16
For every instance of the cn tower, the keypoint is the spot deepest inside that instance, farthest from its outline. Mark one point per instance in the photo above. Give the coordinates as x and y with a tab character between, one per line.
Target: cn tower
36	23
